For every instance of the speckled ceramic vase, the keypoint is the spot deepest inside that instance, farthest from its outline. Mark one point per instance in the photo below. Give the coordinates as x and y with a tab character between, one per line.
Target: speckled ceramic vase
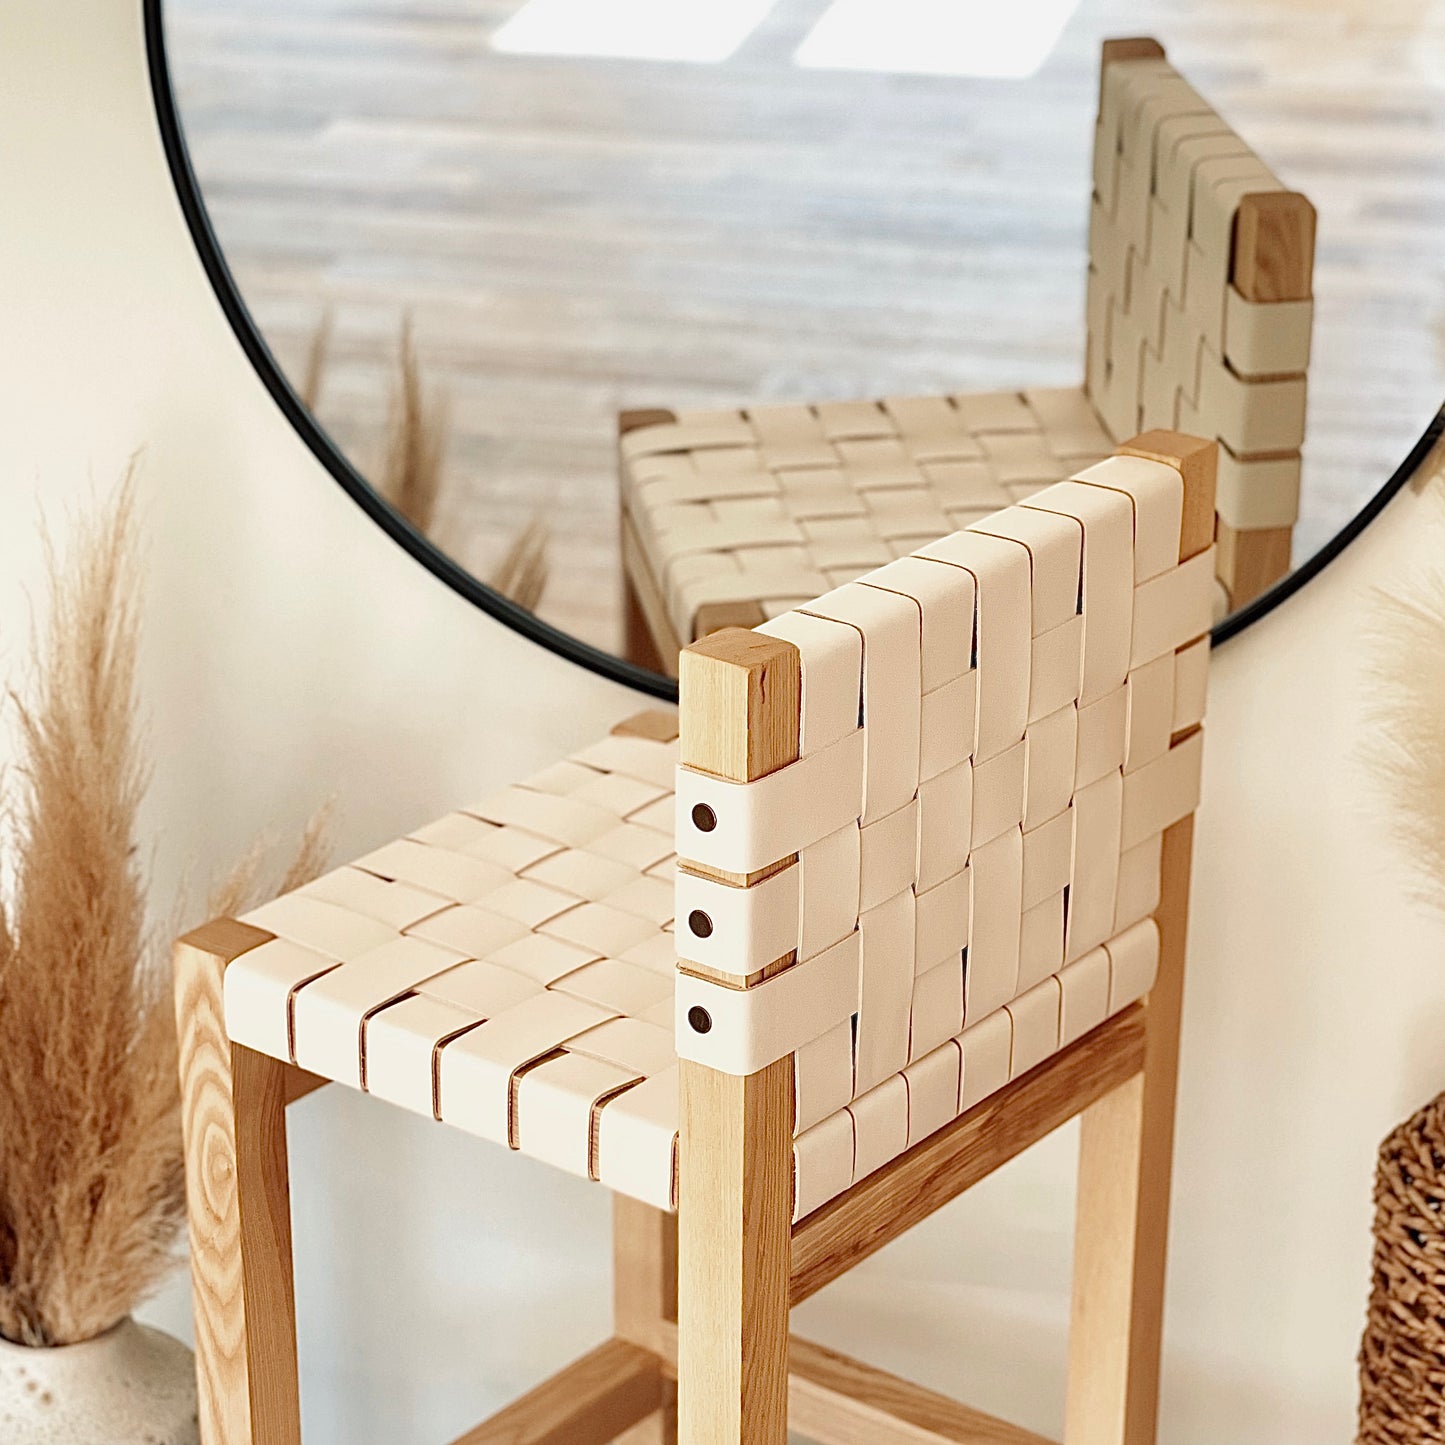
132	1386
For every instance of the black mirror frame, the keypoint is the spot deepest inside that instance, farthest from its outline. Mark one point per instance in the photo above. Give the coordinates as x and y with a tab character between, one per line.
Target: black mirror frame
425	551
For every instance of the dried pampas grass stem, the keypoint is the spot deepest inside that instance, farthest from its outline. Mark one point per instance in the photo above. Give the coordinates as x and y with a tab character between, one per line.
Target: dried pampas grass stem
246	884
318	353
411	479
522	573
91	1190
1408	744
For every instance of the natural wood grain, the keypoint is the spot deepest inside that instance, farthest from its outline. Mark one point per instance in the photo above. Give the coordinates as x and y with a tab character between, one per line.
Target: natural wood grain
1274	247
739	711
905	1192
643	416
657	724
1121	1236
1272	260
644	1296
1105	1399
638	643
735	1203
1161	1085
741	694
717	616
659	1428
233	1115
834	1400
644	1269
1197	462
1122	1227
299	1084
1251	562
591	1402
1129	47
650	639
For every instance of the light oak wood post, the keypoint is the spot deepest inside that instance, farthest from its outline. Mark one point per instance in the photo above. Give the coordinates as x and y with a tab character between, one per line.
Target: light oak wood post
233	1112
594	1401
1126	1145
739	720
644	1294
1273	259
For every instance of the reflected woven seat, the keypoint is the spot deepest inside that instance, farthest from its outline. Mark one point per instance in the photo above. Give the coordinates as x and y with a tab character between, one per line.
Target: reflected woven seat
1198	319
742	515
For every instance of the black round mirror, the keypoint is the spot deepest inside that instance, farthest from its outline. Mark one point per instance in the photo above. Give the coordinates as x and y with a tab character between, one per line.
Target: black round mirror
839	280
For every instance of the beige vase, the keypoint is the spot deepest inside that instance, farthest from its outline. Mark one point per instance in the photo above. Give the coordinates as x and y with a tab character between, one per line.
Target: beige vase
131	1386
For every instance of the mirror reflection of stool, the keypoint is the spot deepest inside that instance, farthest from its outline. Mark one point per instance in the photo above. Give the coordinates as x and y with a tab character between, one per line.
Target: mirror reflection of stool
1199	318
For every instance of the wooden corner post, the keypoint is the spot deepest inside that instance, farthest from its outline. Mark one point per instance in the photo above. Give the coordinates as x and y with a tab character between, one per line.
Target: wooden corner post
1126	1146
1272	260
740	700
233	1117
1129	47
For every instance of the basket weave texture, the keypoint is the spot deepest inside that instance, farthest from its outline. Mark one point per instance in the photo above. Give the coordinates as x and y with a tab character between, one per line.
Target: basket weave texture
1402	1356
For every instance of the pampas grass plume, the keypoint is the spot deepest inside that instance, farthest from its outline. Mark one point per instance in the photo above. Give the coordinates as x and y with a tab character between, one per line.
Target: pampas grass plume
1408	741
411	479
91	1176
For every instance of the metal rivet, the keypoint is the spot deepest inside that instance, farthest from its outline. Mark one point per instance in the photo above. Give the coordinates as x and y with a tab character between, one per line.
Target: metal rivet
700	923
703	818
700	1019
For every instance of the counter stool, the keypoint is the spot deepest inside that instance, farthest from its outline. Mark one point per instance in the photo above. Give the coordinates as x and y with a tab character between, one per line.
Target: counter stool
900	889
1198	317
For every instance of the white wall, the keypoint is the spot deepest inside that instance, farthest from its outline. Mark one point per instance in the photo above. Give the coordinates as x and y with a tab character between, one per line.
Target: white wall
293	652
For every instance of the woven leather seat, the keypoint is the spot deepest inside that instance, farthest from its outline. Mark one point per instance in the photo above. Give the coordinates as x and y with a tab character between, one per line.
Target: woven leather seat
510	969
507	970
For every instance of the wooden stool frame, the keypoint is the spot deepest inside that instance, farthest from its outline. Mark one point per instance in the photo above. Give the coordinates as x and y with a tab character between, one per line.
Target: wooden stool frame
701	1352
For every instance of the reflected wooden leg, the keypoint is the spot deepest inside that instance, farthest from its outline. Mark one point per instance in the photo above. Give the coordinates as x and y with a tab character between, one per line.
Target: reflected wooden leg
638	643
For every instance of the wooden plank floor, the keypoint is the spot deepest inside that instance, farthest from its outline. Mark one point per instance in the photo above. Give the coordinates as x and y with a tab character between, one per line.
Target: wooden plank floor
571	235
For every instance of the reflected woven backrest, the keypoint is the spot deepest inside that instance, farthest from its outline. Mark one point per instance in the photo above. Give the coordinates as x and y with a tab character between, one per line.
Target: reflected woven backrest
957	875
1199	310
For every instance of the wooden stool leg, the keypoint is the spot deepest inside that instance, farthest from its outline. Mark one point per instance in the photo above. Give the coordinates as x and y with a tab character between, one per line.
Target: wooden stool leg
739	719
1121	1237
1104	1328
734	1256
238	1197
644	1293
638	643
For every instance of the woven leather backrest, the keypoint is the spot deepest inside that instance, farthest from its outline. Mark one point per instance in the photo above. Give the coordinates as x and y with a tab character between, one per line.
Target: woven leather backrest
1199	315
993	735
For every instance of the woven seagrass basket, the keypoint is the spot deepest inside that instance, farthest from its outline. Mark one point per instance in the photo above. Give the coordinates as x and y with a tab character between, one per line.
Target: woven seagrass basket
1402	1356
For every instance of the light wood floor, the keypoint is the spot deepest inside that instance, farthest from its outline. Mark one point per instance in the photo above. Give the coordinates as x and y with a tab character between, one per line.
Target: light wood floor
571	236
